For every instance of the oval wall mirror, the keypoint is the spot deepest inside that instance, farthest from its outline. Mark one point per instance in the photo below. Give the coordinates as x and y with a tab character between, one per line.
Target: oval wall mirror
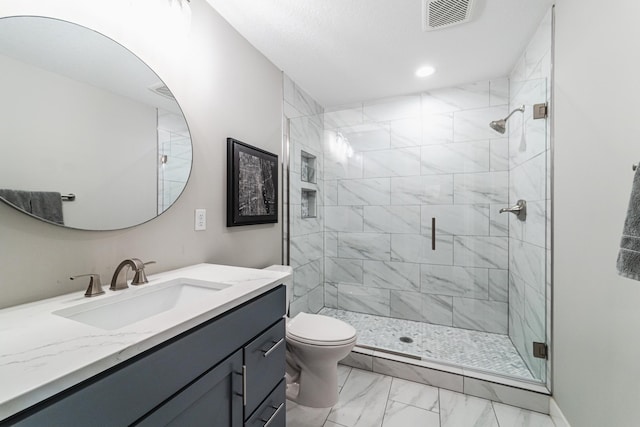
91	137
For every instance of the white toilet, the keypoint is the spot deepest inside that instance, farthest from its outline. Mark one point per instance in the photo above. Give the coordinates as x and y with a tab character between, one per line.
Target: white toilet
315	345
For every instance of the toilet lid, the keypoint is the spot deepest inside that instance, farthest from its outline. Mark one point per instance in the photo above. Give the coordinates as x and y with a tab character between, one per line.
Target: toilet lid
319	330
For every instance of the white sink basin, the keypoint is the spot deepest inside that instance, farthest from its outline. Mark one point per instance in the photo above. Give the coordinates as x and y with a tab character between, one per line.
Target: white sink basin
136	304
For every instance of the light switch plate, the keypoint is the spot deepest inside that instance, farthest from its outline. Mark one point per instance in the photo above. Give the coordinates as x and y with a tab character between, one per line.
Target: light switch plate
200	220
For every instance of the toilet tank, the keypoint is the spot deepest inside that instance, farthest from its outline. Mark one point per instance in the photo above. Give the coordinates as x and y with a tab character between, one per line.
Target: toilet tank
288	282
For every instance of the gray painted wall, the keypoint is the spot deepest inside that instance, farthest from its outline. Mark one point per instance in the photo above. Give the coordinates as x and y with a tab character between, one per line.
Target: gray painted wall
596	312
225	87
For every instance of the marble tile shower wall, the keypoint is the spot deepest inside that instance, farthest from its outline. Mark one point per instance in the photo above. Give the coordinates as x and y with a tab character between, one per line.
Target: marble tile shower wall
392	165
529	241
306	234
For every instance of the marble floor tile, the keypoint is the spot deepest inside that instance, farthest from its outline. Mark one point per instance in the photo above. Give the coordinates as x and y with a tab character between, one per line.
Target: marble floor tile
362	401
374	400
303	416
402	415
414	394
343	374
460	410
512	416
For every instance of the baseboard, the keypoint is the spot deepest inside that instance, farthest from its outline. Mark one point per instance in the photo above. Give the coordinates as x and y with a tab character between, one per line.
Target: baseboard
556	415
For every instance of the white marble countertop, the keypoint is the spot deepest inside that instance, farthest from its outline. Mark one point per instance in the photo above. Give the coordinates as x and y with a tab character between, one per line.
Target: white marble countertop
42	353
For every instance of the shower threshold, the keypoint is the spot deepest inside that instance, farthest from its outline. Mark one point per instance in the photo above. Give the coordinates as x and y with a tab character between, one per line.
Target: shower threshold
484	352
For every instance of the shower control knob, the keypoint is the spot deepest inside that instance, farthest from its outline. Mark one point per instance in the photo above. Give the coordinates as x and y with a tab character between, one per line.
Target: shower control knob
520	210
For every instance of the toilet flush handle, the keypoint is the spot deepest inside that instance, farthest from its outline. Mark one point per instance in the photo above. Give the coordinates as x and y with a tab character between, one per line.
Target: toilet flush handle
273	347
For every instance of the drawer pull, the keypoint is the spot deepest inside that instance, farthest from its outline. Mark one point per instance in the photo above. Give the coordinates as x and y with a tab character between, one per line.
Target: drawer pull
267	422
244	385
242	391
273	347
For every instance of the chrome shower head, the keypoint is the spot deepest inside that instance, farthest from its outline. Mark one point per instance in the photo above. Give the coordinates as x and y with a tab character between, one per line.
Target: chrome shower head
500	126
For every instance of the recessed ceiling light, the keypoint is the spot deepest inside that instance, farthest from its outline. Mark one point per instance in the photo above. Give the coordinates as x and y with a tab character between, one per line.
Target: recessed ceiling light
425	71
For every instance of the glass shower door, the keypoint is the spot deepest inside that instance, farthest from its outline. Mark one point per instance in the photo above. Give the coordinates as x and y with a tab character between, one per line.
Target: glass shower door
529	240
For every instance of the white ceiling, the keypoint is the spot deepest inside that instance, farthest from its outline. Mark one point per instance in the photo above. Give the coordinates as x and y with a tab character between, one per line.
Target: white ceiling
343	51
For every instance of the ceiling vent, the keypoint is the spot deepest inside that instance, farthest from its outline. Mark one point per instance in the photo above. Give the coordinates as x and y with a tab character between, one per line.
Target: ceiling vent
439	14
162	90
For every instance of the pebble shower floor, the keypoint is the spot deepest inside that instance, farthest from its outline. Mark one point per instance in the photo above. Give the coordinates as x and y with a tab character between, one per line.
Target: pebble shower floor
472	349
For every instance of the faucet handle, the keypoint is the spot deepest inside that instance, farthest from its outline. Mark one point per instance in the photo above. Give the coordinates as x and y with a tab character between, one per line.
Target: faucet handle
95	286
520	209
140	278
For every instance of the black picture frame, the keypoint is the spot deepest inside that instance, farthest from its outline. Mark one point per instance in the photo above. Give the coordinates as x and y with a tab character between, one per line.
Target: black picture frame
252	185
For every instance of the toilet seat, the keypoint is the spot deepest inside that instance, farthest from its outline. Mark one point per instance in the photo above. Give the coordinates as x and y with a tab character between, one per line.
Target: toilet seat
315	329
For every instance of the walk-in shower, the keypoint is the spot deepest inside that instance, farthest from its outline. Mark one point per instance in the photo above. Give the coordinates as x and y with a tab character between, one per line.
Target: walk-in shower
395	222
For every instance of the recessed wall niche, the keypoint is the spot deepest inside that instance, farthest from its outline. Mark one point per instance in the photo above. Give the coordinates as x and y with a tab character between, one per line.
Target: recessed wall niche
308	203
307	167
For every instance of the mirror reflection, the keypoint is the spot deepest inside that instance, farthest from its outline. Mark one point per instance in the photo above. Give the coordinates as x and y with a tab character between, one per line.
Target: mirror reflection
91	137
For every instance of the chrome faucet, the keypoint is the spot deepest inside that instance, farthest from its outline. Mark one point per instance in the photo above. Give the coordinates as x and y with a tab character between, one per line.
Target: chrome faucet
119	280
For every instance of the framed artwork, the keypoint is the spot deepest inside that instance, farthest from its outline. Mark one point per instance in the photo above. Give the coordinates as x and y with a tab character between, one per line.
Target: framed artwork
252	185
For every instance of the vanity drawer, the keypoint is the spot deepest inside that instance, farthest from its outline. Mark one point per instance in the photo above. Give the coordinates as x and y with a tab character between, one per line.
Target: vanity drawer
126	392
215	398
264	360
272	412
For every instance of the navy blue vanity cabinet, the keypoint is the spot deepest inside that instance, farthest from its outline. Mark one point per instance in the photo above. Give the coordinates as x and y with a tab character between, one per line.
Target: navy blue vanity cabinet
252	378
226	372
214	400
264	359
272	410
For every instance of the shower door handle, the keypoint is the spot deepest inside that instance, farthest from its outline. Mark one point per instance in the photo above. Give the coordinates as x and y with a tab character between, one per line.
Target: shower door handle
520	210
433	234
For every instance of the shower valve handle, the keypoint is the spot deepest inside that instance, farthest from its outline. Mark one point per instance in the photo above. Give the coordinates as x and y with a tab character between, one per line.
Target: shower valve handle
519	209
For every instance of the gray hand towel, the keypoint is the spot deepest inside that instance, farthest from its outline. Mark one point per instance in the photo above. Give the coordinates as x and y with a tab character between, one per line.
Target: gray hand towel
18	198
47	205
44	204
629	255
